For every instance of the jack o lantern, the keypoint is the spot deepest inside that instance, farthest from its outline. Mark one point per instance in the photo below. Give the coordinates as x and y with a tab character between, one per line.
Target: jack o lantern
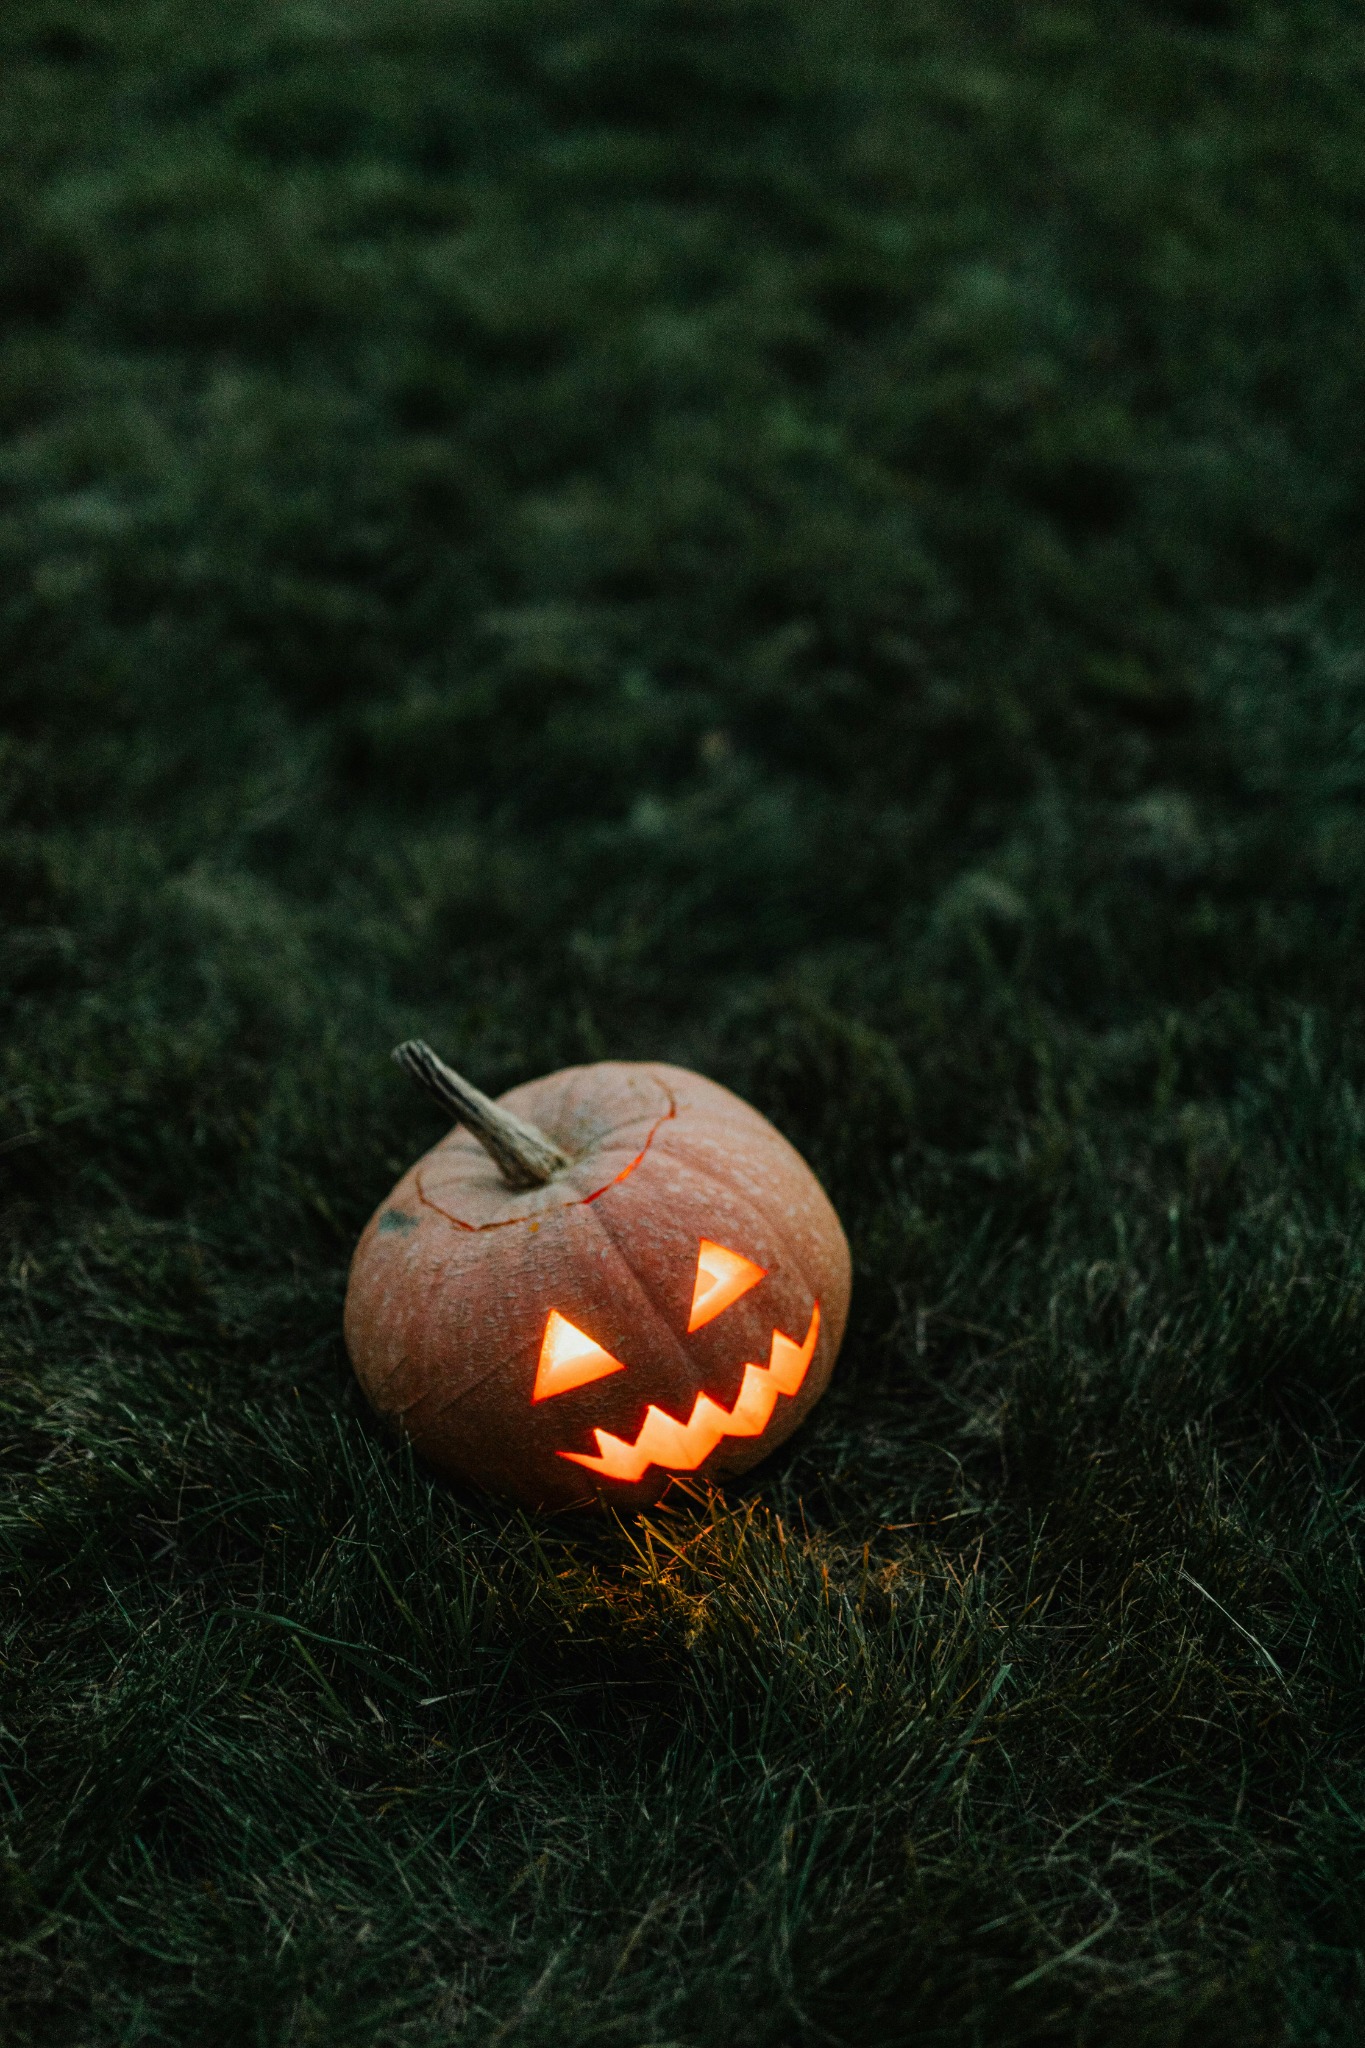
608	1277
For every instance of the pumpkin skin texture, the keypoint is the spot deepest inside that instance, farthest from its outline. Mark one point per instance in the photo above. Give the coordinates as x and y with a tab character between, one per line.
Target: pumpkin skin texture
457	1277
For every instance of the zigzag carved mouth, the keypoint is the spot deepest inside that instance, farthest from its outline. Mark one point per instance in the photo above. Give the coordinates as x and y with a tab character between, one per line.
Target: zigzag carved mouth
681	1446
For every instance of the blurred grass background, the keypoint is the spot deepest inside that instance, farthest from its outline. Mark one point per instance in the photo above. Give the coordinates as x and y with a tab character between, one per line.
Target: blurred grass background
817	541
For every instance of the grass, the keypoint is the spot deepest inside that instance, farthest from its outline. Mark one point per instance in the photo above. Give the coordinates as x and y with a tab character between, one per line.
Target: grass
817	541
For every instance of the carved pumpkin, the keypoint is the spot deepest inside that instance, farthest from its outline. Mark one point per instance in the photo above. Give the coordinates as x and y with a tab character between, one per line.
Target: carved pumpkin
613	1275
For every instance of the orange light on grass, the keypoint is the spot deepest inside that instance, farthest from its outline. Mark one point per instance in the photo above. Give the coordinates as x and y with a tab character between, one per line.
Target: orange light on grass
681	1446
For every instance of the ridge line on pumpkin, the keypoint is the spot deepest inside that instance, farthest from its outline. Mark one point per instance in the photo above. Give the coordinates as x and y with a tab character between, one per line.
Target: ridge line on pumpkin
682	1446
685	1151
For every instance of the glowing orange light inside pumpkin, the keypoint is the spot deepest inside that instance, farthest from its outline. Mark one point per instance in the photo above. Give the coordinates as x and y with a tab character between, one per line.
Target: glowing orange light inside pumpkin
681	1446
569	1358
722	1276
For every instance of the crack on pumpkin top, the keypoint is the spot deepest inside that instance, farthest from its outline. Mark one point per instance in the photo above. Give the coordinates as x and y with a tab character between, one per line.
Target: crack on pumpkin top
532	1216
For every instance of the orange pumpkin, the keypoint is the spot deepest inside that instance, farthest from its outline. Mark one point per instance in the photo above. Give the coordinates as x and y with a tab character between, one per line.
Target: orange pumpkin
610	1276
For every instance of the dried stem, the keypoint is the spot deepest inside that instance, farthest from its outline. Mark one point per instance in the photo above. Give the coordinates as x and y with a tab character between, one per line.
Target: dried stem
523	1155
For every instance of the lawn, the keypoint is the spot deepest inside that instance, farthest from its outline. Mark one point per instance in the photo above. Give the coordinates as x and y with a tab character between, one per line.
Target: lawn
819	540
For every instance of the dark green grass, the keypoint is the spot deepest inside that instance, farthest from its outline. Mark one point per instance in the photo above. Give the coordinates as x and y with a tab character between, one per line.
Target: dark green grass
819	541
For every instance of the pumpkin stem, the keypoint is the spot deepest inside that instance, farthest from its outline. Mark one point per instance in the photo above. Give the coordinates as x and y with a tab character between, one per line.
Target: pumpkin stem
523	1155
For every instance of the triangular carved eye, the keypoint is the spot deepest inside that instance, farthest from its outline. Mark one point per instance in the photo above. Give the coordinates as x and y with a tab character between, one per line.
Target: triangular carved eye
569	1358
722	1276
